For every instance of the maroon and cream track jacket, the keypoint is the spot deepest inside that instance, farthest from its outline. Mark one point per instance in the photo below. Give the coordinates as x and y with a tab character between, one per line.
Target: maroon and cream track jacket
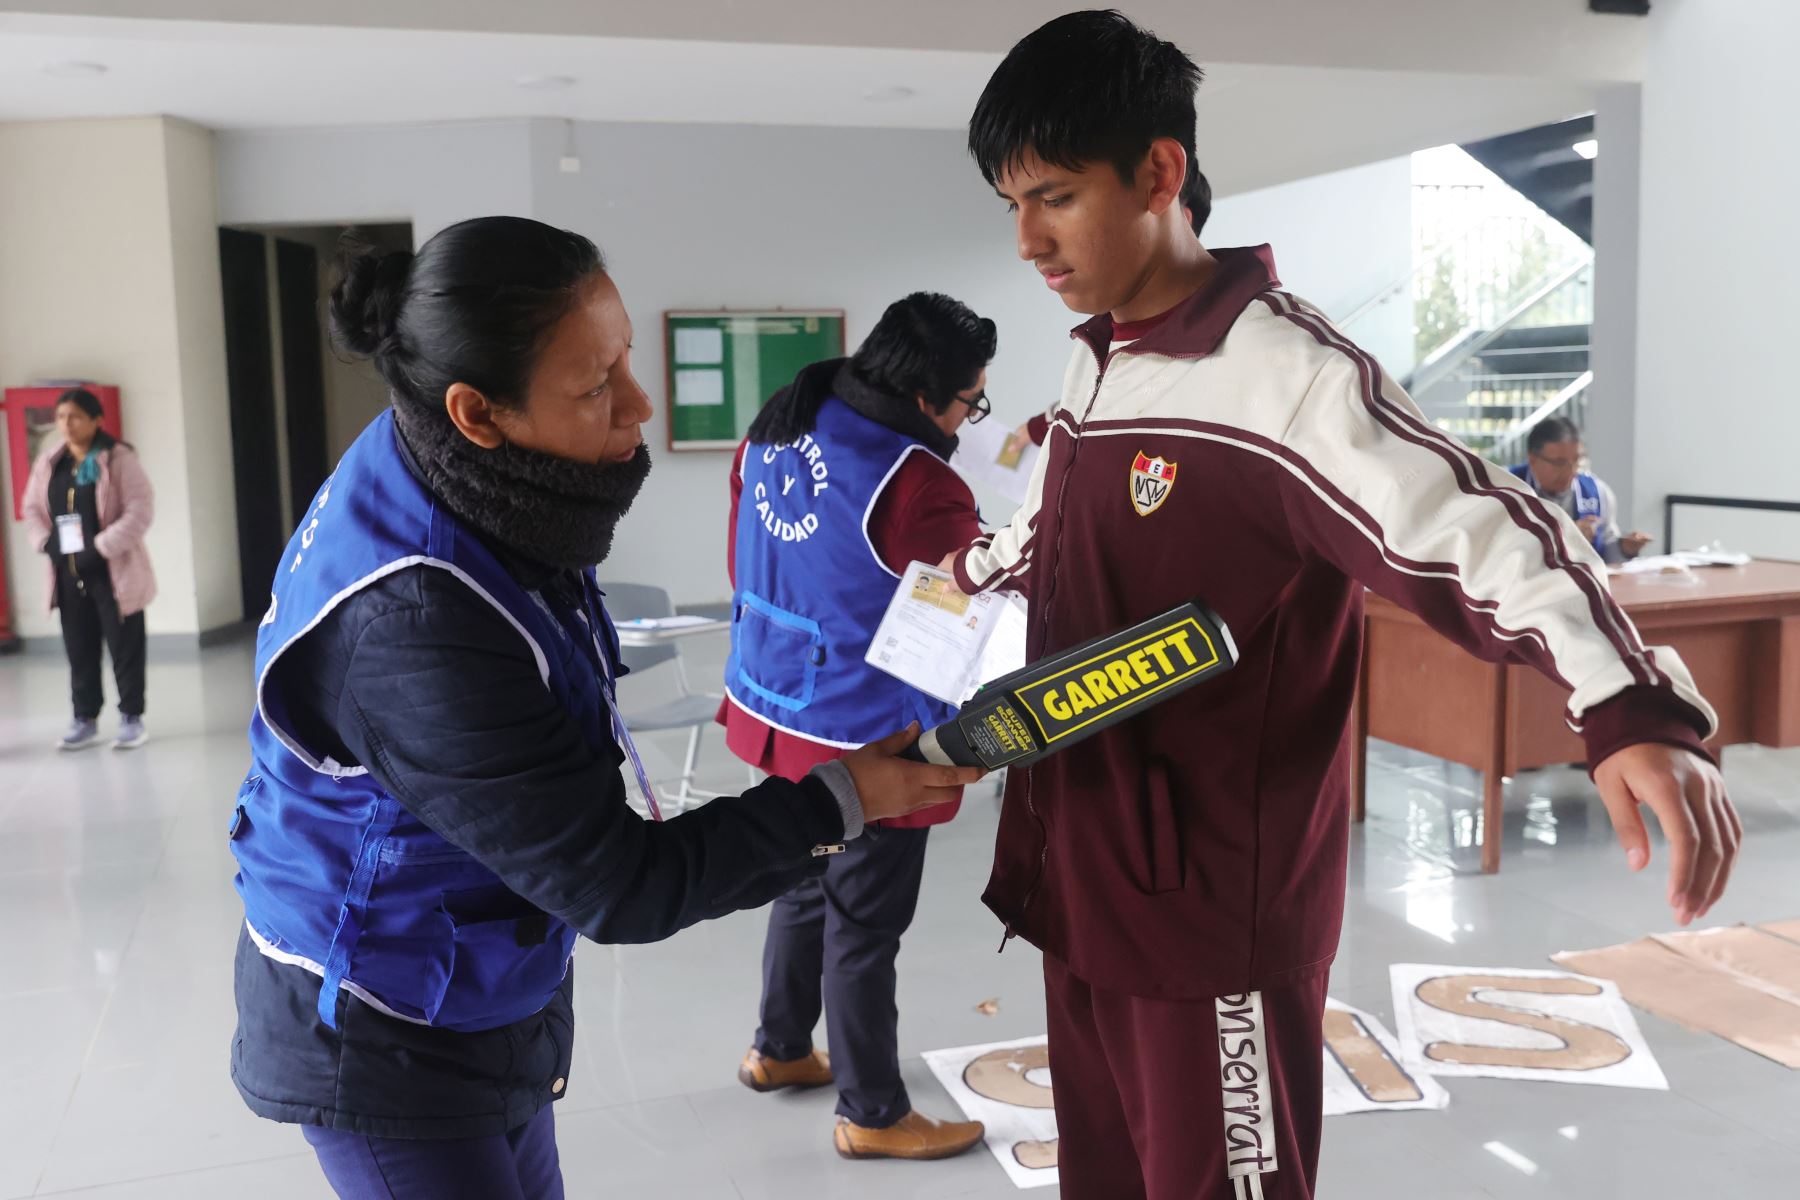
1244	452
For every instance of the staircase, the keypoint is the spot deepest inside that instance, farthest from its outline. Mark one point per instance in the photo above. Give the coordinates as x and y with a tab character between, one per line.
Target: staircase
1485	400
1523	354
1543	165
1492	410
1488	386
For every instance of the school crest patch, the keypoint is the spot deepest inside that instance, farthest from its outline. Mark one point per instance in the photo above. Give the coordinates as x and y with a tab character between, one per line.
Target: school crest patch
1152	479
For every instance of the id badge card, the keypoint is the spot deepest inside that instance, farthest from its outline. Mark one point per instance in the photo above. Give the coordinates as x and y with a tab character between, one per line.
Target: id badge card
69	538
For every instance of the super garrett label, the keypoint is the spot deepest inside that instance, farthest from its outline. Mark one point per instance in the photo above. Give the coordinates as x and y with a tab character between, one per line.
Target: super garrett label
1118	678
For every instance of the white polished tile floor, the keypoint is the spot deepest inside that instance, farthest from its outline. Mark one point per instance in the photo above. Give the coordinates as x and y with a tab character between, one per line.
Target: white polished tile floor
117	922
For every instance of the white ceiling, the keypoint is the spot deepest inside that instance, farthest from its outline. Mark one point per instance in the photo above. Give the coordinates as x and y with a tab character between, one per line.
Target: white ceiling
1260	124
1544	38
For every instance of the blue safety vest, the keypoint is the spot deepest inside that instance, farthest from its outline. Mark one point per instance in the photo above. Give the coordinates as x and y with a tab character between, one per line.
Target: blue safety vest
811	590
1587	498
335	875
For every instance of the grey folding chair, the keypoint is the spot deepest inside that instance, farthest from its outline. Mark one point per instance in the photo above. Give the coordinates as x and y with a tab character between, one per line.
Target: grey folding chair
690	710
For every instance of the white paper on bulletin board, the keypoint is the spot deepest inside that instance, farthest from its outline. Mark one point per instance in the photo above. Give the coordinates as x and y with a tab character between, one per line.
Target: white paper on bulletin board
696	388
699	347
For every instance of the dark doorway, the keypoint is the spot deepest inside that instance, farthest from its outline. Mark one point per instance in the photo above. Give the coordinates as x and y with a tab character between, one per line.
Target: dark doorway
295	404
302	370
255	446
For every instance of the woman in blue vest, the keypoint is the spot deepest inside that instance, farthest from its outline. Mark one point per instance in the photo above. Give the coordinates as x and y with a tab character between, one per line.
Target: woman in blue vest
844	481
435	807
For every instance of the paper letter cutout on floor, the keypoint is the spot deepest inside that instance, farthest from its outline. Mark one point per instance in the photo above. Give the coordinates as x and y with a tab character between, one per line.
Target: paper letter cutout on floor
1364	1071
1502	1023
1739	982
1006	1086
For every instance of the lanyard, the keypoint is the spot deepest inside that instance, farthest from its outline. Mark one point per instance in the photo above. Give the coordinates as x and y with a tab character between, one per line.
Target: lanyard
596	621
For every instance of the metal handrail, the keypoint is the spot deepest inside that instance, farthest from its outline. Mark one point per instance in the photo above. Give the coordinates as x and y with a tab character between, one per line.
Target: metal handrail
1532	351
1447	357
1519	377
1509	440
1405	282
1669	503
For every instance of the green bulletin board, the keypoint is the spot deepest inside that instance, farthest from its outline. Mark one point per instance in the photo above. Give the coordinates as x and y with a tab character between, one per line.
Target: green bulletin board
722	365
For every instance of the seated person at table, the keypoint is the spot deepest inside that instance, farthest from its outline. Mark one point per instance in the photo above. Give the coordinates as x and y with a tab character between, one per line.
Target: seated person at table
1553	470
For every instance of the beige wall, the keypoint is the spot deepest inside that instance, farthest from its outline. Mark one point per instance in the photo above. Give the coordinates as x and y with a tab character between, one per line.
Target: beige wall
109	271
206	412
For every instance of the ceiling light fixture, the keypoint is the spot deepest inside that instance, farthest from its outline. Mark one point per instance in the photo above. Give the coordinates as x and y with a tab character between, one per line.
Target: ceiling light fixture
1588	149
76	70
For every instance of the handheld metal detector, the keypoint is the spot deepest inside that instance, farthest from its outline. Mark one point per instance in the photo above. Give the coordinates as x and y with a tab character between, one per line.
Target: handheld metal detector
1057	701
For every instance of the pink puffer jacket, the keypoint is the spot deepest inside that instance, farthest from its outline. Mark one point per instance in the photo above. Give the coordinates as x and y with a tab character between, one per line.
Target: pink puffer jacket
126	503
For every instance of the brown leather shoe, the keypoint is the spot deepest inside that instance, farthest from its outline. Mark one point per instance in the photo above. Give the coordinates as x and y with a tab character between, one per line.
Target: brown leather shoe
914	1136
760	1073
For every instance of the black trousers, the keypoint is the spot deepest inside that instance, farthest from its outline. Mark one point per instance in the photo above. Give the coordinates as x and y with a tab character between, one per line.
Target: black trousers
90	619
833	939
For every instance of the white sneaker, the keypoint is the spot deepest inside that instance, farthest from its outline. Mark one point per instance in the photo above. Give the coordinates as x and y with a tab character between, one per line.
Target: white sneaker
80	736
132	734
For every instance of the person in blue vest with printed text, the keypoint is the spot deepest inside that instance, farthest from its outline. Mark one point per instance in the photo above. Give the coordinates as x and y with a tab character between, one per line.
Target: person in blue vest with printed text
843	482
1552	469
435	807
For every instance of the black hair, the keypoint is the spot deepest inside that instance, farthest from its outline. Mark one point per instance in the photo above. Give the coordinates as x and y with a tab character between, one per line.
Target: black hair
1198	199
83	399
925	343
1550	431
89	403
475	305
1090	87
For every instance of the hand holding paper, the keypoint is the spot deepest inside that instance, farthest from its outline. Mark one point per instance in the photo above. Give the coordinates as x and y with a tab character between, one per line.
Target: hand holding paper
995	457
944	643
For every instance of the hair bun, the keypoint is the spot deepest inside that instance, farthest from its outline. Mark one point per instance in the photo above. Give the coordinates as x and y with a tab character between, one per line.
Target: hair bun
365	304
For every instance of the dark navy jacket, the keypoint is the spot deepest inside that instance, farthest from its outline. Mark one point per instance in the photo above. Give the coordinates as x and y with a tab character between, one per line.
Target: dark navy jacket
425	683
336	873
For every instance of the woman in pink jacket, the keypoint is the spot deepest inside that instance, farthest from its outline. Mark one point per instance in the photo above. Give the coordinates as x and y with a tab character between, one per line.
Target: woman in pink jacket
87	505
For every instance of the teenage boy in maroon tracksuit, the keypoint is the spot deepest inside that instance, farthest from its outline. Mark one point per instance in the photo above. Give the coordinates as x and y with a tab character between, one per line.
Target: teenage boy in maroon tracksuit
1184	871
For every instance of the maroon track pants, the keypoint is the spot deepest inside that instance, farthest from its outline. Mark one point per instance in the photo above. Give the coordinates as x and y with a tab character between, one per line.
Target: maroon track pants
1186	1099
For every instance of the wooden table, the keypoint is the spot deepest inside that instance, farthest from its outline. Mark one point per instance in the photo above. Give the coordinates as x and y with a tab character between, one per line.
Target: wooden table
1737	628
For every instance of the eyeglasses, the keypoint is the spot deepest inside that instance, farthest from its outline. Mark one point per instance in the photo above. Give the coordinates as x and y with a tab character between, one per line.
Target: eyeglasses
979	407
